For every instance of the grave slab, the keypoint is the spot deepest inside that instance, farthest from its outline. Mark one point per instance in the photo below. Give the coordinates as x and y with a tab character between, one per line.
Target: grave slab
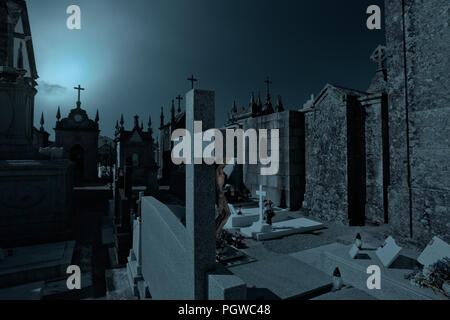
435	251
282	229
394	286
282	277
251	215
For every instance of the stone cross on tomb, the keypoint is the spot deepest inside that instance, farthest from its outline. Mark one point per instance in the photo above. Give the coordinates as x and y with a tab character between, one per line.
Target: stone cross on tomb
79	88
379	56
261	194
192	80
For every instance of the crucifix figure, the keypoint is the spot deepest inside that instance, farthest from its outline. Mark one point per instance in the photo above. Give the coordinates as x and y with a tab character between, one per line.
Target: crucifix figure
79	88
261	194
192	80
179	98
379	56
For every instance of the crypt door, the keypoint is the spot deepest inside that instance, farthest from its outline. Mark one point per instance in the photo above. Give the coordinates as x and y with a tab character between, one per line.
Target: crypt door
77	157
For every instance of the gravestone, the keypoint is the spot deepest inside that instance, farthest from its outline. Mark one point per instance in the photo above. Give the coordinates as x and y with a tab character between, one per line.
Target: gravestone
435	251
388	252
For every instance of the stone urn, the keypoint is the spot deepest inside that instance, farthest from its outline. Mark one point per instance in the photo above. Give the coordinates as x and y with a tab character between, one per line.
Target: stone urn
446	288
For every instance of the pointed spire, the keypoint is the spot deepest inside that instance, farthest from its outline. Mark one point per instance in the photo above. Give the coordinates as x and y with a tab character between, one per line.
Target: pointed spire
121	121
253	105
42	122
172	110
117	125
279	106
58	114
97	117
136	121
150	130
234	107
162	117
259	102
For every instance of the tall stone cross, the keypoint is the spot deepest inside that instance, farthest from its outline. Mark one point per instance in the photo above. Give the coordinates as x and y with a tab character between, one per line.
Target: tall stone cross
179	98
261	194
192	80
79	88
379	56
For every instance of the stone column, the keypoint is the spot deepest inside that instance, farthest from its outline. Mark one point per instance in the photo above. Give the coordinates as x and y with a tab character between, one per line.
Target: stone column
200	194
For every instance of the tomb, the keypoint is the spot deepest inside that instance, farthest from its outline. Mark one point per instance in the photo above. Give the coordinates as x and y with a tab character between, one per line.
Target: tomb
35	192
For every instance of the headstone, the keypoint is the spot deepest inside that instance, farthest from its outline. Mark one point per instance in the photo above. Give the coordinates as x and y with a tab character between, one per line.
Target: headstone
436	250
388	252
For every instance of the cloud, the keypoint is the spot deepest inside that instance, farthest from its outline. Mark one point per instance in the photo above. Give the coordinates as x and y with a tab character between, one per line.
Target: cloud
50	88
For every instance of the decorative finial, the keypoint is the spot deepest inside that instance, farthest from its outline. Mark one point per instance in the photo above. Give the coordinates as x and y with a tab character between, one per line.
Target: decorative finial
279	106
162	117
122	122
150	130
192	80
58	114
234	106
79	88
172	110
379	56
136	121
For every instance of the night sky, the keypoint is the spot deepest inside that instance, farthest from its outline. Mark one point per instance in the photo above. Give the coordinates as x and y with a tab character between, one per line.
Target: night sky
134	56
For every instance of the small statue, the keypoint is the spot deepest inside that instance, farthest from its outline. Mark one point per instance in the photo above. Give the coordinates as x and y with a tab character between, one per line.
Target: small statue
269	213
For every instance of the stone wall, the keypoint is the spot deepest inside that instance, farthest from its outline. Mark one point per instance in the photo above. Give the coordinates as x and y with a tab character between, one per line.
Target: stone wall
419	113
326	158
285	189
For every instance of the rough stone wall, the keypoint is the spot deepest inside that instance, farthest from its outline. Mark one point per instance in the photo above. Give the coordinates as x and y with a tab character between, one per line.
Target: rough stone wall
419	118
286	188
326	158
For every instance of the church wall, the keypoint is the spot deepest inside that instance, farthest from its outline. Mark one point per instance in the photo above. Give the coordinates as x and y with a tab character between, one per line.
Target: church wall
418	117
326	159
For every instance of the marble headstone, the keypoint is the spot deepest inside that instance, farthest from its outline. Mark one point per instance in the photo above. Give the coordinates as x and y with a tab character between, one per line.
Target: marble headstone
388	252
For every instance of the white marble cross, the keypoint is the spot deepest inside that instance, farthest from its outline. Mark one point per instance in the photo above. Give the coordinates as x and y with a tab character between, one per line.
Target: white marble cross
261	194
